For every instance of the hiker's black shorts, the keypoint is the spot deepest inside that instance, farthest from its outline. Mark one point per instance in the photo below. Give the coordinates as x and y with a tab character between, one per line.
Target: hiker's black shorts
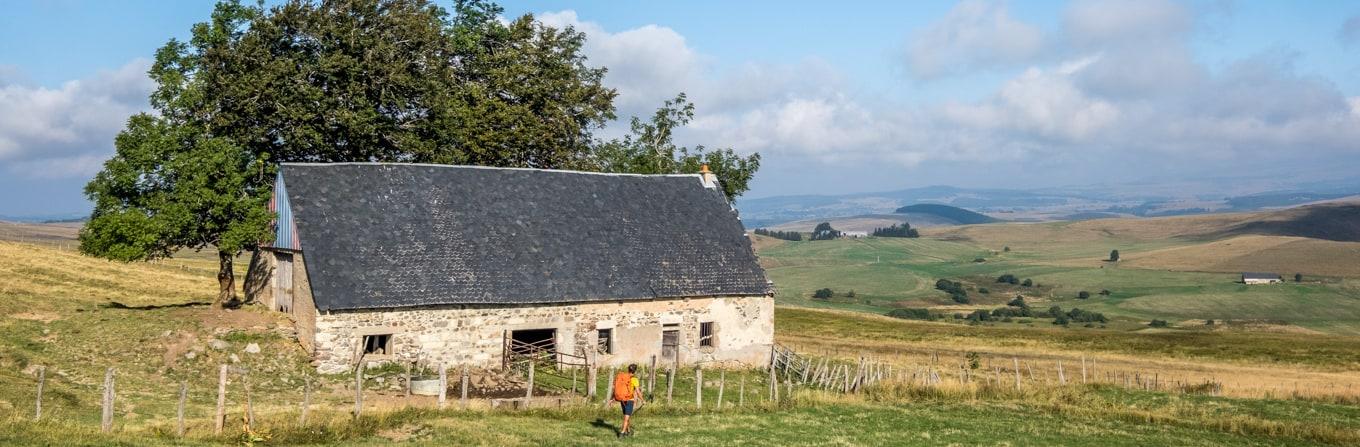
627	407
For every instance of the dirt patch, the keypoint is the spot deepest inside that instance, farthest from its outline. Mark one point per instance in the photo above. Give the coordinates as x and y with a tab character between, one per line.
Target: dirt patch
179	343
244	318
45	317
408	432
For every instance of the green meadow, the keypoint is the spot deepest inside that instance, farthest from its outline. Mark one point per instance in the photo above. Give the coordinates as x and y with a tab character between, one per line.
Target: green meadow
889	273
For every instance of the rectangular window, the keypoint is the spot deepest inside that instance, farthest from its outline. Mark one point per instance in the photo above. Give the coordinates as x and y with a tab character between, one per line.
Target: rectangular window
378	344
605	341
670	340
706	334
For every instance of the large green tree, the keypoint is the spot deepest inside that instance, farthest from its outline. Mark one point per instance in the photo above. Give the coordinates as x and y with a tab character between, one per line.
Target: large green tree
332	81
650	149
357	80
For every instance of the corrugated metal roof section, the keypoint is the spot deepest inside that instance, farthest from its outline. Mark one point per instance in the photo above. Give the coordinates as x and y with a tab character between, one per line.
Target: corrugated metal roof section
285	229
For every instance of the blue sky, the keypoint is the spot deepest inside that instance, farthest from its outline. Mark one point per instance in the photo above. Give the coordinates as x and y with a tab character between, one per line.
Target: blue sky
859	97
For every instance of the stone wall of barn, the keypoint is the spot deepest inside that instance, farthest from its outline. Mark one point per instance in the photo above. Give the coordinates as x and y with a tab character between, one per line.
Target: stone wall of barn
474	335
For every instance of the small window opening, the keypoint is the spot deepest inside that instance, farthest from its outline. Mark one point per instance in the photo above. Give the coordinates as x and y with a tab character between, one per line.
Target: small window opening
378	344
605	341
706	334
670	340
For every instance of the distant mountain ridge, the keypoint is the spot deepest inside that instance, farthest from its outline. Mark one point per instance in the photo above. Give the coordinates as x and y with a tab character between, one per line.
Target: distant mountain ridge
1074	203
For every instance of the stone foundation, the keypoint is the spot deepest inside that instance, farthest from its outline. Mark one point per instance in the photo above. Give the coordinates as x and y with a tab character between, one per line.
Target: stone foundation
474	335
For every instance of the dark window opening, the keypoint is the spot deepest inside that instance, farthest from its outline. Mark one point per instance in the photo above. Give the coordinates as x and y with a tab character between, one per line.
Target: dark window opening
605	341
378	344
534	342
706	334
670	340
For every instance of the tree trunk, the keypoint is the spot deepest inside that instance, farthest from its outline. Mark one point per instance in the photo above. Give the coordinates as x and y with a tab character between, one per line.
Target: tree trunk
226	281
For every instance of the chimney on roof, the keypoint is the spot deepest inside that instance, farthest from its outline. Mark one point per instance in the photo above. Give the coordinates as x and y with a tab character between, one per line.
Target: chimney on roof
710	180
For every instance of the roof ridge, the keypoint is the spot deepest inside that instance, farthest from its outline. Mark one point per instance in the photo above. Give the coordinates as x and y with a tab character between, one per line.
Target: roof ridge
496	168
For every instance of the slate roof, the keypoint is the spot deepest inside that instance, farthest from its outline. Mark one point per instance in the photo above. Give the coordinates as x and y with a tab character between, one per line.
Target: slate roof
377	235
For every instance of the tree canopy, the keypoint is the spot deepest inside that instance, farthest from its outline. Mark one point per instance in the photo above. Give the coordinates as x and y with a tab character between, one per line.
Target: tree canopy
650	149
357	80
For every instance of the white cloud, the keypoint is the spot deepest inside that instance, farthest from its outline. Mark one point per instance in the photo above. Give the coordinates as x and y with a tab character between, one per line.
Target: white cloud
646	64
975	34
1128	89
68	131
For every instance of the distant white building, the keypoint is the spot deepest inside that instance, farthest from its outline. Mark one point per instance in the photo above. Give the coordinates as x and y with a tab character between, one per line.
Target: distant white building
1260	278
854	234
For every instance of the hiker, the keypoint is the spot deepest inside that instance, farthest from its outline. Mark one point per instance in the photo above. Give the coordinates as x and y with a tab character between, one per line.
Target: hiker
627	393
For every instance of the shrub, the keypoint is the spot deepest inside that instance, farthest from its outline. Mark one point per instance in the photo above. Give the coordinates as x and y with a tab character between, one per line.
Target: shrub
954	289
983	290
1006	249
1209	322
850	294
1008	279
824	232
1027	283
897	230
979	260
974	360
1055	311
1083	295
1298	277
1158	323
1019	301
912	314
823	294
1114	255
1082	316
1105	292
1060	319
958	316
979	315
785	235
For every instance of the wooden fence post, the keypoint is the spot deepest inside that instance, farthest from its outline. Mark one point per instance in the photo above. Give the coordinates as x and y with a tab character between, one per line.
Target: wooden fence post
573	381
1062	378
529	386
179	409
741	392
408	383
1083	368
670	384
358	390
722	382
698	386
221	400
106	417
651	383
1016	362
592	379
463	390
42	380
306	400
443	384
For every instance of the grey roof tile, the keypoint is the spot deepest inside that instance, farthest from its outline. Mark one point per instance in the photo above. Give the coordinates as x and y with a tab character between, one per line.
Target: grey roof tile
381	235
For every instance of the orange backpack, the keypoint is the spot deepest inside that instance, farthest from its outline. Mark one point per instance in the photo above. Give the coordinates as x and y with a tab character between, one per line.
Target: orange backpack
623	387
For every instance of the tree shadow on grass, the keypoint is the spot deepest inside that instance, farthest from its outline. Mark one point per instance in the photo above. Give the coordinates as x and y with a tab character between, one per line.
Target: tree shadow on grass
118	305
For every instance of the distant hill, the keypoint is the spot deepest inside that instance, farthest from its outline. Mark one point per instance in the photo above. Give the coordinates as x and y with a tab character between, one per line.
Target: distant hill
958	215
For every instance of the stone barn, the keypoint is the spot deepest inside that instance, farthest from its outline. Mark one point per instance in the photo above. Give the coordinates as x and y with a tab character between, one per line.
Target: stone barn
460	265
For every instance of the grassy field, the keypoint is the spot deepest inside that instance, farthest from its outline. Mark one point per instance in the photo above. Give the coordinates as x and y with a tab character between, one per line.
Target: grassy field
888	273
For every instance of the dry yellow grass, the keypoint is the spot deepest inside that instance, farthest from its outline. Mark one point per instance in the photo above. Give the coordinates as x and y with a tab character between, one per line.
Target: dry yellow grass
1281	254
1039	363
